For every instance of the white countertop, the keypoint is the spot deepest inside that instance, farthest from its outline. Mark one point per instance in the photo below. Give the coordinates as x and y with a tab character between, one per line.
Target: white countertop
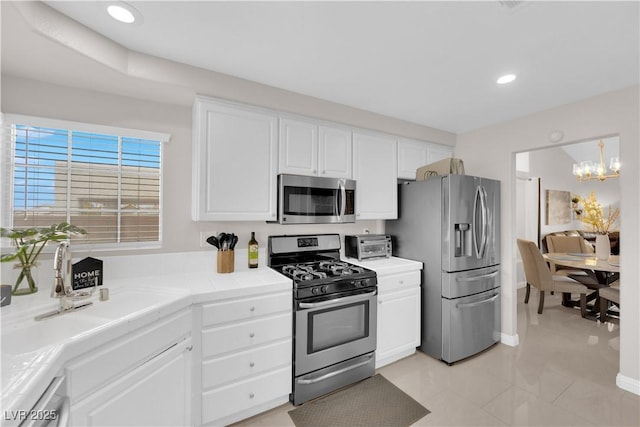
142	289
389	265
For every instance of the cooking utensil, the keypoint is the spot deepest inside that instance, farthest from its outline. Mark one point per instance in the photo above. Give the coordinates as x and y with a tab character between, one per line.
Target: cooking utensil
222	240
234	241
213	240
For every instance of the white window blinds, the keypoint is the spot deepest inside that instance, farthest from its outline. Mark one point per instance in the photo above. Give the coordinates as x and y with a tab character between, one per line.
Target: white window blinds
105	182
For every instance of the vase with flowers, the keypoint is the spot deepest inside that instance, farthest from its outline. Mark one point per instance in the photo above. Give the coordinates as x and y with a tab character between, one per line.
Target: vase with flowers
28	243
590	212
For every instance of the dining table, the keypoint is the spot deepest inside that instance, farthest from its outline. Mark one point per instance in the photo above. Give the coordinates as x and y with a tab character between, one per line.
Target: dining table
609	268
604	272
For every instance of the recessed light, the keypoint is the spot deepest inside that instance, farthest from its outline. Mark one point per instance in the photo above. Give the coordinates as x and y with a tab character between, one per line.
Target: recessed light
124	12
507	78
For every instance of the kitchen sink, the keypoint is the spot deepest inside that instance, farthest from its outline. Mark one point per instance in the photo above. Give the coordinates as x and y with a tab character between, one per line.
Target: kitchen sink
24	334
28	336
124	302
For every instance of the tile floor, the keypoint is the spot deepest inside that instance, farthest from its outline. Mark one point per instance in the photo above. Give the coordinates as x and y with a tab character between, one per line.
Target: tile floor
562	374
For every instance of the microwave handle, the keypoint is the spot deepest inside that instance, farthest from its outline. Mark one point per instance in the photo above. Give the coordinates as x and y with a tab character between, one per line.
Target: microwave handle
343	199
340	200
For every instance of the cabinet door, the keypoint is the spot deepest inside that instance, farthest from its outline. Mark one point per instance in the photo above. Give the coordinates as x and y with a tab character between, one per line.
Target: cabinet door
398	325
158	393
234	162
335	152
439	152
298	147
411	156
376	173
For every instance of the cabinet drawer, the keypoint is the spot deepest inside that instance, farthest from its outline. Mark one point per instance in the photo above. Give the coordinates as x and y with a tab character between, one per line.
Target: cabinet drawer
219	371
225	401
233	337
395	282
246	308
91	371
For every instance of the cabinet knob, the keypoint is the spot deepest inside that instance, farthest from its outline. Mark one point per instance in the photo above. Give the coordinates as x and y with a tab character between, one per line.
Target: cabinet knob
251	335
401	282
251	395
251	364
252	309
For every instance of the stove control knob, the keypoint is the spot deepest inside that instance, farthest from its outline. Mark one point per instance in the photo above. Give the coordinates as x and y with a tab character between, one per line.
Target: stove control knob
359	283
315	291
324	289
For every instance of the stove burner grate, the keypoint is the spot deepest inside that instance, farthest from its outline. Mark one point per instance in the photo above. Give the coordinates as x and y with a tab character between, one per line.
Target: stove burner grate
320	270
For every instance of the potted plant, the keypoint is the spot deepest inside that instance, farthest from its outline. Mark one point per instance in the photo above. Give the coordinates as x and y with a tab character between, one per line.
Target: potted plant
28	244
591	213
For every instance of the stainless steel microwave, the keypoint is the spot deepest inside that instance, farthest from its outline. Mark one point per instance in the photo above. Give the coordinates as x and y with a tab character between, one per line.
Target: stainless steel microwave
315	200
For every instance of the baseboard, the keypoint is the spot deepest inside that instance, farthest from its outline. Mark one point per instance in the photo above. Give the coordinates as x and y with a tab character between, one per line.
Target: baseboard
510	340
629	384
394	356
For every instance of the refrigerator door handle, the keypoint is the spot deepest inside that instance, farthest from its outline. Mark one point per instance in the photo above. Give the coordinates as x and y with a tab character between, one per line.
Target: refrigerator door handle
485	222
479	215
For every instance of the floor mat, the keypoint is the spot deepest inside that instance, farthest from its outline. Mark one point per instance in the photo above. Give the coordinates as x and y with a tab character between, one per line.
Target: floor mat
371	402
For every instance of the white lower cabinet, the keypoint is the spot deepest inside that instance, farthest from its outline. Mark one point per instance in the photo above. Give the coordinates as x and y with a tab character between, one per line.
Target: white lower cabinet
398	316
246	357
143	379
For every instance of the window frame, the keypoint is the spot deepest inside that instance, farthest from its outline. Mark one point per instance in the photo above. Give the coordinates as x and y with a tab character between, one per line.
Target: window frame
7	164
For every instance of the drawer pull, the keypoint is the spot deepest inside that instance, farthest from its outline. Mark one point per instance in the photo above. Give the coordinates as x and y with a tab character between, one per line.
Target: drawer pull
252	309
251	395
251	364
251	335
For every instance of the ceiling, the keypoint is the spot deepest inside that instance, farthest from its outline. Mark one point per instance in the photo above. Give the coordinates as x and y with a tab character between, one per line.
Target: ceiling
431	63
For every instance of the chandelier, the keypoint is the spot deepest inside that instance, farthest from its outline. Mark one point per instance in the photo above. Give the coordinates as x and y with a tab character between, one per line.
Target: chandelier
591	170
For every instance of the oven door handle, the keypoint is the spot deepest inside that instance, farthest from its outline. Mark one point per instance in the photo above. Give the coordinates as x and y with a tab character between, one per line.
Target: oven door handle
334	373
354	298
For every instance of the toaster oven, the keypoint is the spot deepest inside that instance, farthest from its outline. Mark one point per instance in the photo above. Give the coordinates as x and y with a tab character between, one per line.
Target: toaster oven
367	246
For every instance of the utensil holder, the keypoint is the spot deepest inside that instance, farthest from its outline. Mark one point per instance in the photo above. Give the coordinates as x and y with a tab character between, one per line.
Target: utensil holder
226	260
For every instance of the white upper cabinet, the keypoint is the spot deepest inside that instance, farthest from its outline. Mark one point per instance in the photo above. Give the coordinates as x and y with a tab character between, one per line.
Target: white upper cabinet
411	156
375	169
439	152
335	148
414	154
310	148
234	162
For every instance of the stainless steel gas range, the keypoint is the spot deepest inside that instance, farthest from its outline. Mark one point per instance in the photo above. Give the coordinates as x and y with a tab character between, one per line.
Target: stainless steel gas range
335	309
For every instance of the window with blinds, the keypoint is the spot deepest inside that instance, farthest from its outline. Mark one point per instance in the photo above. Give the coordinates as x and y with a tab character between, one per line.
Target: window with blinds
108	184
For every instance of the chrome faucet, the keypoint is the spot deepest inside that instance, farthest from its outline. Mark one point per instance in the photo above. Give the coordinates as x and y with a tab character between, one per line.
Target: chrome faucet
63	284
63	271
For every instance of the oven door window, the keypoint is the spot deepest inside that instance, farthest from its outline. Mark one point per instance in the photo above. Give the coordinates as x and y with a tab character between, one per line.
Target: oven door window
305	201
336	326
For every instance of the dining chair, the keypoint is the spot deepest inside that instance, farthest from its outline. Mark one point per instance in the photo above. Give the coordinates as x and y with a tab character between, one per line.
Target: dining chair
572	244
607	295
538	275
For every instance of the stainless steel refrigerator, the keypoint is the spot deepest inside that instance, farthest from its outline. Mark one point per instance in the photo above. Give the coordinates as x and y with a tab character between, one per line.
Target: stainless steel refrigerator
451	224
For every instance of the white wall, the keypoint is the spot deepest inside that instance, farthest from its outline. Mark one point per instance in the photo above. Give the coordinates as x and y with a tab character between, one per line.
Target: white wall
491	152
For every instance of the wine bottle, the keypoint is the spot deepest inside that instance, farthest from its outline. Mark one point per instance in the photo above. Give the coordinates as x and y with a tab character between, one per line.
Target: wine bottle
253	251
